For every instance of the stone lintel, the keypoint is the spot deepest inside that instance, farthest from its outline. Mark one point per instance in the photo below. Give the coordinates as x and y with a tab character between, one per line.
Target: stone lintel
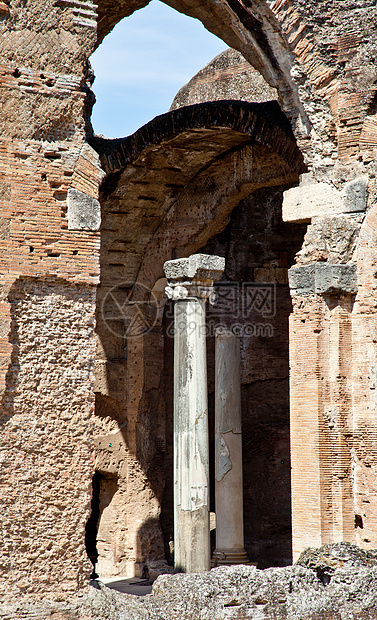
84	212
323	278
198	267
312	199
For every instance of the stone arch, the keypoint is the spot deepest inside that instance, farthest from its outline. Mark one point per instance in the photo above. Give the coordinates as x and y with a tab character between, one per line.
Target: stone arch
170	188
172	166
313	67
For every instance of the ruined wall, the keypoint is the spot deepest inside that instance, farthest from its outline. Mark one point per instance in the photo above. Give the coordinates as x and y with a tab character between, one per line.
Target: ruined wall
49	270
320	56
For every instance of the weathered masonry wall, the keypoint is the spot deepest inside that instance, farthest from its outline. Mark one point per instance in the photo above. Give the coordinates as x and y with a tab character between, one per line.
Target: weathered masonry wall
48	277
320	58
49	270
332	352
46	434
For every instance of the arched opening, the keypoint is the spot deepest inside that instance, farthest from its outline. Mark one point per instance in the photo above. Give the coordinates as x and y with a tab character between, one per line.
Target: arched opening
252	30
170	189
100	527
142	64
193	179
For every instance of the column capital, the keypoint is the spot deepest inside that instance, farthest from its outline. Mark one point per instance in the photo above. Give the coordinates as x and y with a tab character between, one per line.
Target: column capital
178	291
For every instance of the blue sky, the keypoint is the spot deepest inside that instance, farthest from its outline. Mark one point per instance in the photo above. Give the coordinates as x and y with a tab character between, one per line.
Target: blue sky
143	62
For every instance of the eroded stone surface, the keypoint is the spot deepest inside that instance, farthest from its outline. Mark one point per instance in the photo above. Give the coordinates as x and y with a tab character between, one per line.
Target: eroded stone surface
330	239
196	266
323	278
84	212
347	590
312	199
228	76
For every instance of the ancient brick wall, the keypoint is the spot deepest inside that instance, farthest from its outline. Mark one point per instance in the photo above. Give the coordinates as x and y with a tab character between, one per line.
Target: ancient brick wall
320	58
49	271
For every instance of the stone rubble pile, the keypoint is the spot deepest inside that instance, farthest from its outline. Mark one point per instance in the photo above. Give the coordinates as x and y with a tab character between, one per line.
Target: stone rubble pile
298	592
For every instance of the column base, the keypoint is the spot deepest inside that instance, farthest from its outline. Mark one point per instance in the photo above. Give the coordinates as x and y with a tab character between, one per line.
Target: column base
228	557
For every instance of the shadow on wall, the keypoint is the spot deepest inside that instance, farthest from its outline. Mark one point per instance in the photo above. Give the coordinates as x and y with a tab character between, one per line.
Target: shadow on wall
147	546
7	403
17	298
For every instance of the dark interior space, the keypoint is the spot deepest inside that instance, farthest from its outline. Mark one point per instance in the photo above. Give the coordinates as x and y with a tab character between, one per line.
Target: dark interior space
104	485
259	248
92	524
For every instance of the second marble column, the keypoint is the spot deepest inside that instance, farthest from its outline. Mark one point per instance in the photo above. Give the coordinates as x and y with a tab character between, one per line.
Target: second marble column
228	452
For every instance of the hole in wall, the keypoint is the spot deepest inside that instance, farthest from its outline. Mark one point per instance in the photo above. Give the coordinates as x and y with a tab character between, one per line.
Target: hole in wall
142	64
359	521
323	575
98	530
92	524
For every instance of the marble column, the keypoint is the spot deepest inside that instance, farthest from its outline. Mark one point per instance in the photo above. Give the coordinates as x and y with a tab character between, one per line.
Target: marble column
189	285
228	451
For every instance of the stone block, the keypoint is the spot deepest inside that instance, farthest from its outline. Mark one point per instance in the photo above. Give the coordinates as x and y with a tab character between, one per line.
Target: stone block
302	279
84	212
196	266
330	278
312	199
355	195
323	278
